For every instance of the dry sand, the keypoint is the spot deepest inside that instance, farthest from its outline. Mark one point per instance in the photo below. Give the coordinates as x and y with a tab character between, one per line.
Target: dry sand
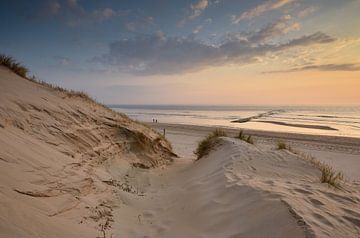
72	168
61	159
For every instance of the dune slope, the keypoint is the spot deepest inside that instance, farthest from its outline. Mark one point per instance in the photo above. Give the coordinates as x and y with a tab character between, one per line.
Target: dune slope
240	190
59	154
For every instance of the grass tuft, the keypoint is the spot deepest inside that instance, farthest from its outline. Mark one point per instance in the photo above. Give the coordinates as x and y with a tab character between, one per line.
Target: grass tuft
13	65
241	136
218	133
208	144
249	140
282	146
330	176
328	173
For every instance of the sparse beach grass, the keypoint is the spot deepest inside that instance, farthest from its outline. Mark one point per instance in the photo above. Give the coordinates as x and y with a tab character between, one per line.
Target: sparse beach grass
328	174
13	65
282	146
206	145
242	136
19	69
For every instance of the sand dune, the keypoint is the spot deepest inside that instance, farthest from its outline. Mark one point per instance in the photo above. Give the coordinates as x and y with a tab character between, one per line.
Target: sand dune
57	154
239	190
70	167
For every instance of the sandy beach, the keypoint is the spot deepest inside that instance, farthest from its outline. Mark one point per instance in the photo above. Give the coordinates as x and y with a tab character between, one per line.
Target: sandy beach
341	152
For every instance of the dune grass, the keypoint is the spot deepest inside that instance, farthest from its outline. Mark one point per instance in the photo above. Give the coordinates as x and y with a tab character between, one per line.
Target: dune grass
19	69
328	174
206	145
249	140
282	146
13	65
242	136
67	92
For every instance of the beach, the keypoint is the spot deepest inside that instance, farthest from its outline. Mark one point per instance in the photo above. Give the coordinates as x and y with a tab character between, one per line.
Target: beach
341	152
343	121
76	168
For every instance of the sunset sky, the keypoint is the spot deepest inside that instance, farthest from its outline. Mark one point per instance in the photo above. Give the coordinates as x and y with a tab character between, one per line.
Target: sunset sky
191	51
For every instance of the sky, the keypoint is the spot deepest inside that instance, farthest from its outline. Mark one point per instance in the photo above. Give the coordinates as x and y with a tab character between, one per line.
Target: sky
282	52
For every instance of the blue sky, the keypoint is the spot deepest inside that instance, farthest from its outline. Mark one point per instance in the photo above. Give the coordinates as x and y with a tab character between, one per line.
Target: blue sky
148	51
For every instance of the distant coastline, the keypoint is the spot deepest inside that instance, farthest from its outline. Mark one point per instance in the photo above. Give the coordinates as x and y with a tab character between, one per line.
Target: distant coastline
317	120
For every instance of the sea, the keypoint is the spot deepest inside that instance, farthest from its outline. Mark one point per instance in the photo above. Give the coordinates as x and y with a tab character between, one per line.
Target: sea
322	120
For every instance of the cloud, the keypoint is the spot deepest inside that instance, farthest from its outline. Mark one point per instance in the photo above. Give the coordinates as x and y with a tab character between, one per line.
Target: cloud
160	54
140	25
280	27
197	29
306	11
72	13
318	37
198	8
107	13
260	9
323	67
208	20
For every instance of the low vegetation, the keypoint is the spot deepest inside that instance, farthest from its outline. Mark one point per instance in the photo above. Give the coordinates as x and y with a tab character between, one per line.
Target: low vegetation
19	69
249	140
328	174
67	92
13	65
282	146
242	136
208	144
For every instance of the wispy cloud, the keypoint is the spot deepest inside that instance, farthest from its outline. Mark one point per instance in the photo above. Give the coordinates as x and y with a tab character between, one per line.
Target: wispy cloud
323	67
140	25
280	27
197	29
260	9
107	13
306	11
159	54
198	8
73	14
